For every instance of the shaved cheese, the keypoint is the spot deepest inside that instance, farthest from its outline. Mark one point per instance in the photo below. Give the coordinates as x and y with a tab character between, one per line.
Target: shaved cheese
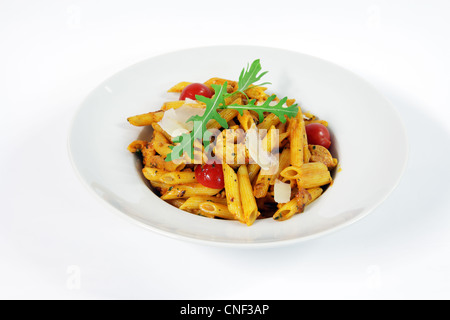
282	192
175	122
254	144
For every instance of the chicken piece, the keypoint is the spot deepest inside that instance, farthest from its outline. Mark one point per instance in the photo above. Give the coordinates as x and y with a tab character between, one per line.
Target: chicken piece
321	154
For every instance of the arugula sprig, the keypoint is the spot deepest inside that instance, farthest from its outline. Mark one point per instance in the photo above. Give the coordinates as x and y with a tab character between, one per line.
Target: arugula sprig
250	76
247	80
279	109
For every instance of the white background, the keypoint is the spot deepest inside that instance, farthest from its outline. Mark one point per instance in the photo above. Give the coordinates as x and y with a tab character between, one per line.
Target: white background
58	242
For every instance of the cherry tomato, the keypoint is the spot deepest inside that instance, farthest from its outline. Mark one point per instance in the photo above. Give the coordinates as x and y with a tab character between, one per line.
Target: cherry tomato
210	175
195	89
318	134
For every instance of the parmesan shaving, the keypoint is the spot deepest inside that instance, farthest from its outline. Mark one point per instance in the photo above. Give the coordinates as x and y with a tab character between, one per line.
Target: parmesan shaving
282	192
175	122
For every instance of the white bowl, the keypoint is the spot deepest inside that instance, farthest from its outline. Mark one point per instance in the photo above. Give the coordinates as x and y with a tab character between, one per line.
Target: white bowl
368	136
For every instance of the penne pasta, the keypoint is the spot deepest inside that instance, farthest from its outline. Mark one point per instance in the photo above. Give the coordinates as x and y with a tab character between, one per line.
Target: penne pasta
215	209
194	202
153	174
291	173
232	86
175	178
296	139
183	191
137	145
227	114
157	127
296	205
177	203
161	144
232	192
180	103
249	205
253	170
269	121
146	119
284	161
312	175
246	120
261	185
315	193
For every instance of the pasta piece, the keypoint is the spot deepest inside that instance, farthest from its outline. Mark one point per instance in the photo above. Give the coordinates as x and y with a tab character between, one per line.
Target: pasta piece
233	125
146	119
284	161
261	185
253	170
174	165
315	193
291	173
153	174
271	140
172	105
161	144
157	127
249	205
246	120
175	178
234	99
161	187
179	86
232	192
216	210
313	174
282	127
257	93
177	203
232	86
296	139
195	201
290	102
296	205
227	114
269	121
183	191
179	103
306	153
137	145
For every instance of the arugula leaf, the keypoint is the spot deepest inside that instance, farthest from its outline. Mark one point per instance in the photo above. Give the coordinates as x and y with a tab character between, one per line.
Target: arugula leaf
212	104
277	109
250	76
186	141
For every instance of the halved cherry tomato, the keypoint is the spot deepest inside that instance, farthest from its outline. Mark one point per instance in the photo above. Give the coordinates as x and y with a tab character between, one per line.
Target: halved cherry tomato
195	89
210	175
318	134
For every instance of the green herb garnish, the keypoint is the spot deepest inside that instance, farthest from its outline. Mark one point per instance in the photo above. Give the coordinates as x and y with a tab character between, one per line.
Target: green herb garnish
279	110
